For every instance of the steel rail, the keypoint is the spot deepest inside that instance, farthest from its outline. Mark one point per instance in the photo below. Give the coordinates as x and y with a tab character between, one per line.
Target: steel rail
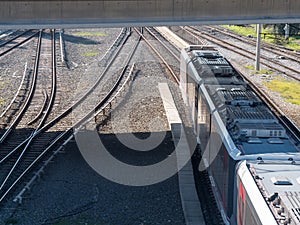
293	129
160	57
18	44
80	122
225	44
14	38
69	110
163	44
17	93
288	53
30	95
51	101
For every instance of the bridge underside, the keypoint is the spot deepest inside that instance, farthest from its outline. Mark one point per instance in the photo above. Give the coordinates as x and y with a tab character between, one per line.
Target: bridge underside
113	13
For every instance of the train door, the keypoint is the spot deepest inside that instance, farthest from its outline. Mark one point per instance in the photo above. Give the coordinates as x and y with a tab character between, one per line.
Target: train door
196	110
204	120
191	97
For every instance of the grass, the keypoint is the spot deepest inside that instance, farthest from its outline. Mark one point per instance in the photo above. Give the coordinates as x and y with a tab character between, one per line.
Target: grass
268	37
245	31
250	67
289	90
90	34
293	43
90	54
264	71
1	101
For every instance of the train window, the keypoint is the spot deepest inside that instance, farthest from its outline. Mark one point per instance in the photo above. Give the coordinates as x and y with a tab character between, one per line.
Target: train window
271	133
219	165
191	97
203	120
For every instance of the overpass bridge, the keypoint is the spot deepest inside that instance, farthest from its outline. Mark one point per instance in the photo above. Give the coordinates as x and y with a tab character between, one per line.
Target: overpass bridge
116	13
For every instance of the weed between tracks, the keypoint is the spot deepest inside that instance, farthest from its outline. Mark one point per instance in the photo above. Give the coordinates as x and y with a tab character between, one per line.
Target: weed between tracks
90	54
289	90
267	35
263	71
242	30
89	34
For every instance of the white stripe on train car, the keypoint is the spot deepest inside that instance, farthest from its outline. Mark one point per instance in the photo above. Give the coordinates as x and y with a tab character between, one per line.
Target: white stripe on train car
261	208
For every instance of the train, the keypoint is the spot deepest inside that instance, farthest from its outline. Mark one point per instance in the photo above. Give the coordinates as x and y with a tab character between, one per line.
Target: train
252	158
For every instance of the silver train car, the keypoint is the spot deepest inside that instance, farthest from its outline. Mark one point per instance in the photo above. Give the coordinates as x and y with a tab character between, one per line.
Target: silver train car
252	159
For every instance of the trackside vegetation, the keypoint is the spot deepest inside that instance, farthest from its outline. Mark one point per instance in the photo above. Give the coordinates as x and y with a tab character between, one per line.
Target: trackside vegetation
270	33
289	90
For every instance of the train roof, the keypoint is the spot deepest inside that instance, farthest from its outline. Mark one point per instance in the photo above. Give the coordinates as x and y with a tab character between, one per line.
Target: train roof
213	66
279	183
251	125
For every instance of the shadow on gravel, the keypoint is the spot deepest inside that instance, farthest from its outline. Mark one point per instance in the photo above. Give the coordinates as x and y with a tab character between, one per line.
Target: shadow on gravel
136	157
72	193
80	40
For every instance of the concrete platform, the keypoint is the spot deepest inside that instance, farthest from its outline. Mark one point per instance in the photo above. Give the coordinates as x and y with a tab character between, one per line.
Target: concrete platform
189	198
172	37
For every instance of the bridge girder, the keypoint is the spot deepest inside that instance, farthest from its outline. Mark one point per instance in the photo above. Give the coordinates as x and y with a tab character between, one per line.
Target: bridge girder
112	13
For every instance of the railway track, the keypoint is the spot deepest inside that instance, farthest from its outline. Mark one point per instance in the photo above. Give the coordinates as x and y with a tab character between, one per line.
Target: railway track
287	70
170	48
173	74
202	178
293	56
293	129
203	186
279	50
202	181
18	151
197	36
99	98
107	97
16	41
31	89
44	143
10	35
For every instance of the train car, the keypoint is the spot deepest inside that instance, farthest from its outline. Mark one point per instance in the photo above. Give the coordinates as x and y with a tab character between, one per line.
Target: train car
268	193
232	124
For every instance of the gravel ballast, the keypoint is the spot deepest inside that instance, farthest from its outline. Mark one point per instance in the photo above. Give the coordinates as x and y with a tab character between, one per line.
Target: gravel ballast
71	192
